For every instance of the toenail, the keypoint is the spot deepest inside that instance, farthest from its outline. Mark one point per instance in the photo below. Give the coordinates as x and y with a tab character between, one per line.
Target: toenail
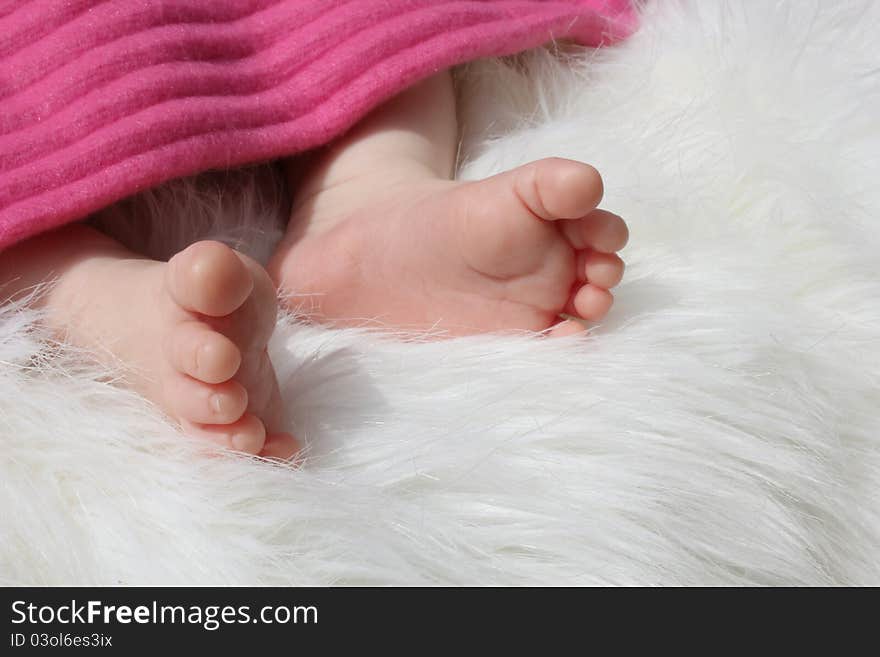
217	403
198	355
241	442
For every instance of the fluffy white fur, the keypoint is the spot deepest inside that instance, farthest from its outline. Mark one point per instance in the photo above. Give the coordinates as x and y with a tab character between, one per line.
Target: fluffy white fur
721	427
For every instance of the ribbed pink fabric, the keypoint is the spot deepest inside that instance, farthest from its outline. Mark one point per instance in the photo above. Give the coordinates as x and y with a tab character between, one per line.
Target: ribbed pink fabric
102	99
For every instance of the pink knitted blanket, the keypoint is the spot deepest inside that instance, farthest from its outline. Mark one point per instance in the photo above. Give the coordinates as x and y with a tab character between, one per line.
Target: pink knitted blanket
100	99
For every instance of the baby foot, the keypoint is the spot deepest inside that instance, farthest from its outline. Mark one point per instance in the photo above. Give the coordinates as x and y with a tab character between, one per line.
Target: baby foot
514	251
192	334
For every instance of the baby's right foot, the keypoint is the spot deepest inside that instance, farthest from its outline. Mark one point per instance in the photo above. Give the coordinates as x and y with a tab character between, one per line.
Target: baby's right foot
518	250
192	334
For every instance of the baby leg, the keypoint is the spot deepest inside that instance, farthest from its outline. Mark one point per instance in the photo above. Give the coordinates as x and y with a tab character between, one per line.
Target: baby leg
380	232
190	334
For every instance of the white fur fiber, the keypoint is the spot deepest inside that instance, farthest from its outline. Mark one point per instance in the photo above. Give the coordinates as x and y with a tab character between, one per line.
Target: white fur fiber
721	427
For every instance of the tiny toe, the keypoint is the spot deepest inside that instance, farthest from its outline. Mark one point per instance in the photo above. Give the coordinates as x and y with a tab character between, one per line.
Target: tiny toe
199	402
202	353
602	269
565	328
599	230
208	278
592	302
246	435
556	188
249	435
280	446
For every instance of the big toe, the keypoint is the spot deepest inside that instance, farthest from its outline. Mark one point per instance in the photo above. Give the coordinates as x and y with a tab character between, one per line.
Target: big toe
209	278
556	188
252	323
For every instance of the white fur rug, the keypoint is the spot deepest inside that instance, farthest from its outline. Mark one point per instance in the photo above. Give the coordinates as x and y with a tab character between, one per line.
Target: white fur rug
721	427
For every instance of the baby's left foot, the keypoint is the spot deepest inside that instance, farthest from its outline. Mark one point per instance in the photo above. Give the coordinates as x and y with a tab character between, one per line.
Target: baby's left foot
514	251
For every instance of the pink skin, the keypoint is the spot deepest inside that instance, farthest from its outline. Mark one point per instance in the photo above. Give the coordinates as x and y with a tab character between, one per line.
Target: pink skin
378	231
380	234
191	334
